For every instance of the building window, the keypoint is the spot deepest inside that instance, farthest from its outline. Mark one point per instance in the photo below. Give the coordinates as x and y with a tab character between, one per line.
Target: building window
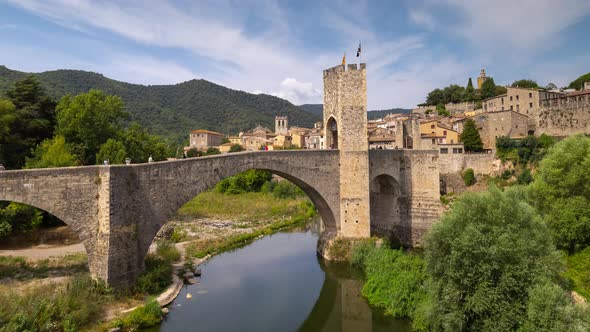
511	108
433	141
516	97
502	99
510	98
444	133
502	108
444	150
530	105
432	126
457	150
518	108
530	95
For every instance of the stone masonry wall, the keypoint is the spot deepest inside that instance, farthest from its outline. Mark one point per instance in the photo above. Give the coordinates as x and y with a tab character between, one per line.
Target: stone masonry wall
564	119
481	163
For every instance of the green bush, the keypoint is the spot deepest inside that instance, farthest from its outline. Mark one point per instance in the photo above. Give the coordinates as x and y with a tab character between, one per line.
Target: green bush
248	181
285	189
178	235
469	177
483	257
507	174
525	177
236	148
167	250
18	218
156	277
45	308
191	153
360	252
145	316
561	192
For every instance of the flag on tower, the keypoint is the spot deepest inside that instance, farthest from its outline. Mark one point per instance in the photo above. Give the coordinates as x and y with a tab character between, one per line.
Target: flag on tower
358	52
344	59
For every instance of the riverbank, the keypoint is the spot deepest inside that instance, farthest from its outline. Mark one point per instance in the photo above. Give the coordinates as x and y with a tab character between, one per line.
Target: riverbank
231	221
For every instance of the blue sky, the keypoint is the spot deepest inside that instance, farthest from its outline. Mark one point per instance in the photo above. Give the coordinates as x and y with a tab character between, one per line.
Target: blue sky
281	47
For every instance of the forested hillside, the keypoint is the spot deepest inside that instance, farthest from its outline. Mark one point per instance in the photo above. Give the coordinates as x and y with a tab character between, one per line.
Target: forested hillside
172	110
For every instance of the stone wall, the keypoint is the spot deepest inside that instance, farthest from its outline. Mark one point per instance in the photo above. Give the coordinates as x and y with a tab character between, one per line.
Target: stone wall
564	119
481	163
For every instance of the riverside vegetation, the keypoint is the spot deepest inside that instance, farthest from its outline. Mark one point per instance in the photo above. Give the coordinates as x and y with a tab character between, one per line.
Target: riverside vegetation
498	260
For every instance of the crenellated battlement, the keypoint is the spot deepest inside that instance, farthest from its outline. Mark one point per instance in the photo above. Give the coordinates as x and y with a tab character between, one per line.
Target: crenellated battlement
342	69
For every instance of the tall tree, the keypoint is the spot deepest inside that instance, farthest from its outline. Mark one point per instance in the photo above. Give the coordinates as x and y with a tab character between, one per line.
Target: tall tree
31	121
470	137
488	88
525	83
469	91
140	145
561	192
88	120
113	151
53	152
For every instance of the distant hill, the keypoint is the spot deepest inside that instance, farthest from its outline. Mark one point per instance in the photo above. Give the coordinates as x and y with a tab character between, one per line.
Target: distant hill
173	110
318	109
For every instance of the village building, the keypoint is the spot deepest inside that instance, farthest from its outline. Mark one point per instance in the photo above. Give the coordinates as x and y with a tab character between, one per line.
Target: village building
384	138
438	133
282	141
201	139
298	136
567	115
225	147
257	138
492	125
521	100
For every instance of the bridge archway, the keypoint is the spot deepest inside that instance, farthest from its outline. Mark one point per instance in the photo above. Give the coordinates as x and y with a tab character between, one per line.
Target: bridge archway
331	134
386	207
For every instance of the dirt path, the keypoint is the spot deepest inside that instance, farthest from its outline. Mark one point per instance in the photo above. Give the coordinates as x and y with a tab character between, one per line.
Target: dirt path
45	251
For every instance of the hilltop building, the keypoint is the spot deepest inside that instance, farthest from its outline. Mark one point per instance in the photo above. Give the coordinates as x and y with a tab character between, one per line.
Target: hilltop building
521	100
201	139
482	78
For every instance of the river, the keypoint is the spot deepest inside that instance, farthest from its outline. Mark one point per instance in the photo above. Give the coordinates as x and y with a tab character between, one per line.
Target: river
276	284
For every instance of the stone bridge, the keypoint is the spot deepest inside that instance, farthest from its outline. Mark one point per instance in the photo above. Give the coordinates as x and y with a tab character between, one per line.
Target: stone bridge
117	210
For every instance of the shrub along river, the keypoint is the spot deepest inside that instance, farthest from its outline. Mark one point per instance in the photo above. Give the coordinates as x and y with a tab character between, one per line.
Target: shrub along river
277	283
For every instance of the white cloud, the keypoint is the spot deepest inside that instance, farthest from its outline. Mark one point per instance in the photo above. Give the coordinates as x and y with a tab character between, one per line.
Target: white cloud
145	70
299	92
517	29
422	18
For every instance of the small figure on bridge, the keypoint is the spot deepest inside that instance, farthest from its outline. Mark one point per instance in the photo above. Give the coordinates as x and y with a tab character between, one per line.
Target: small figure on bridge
106	162
150	159
127	161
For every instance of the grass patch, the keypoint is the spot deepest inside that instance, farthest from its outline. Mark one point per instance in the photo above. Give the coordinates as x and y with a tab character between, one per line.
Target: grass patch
302	213
578	270
65	307
249	206
21	269
147	315
167	250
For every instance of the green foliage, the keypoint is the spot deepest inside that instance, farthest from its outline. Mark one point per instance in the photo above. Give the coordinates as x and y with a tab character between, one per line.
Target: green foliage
525	83
191	153
470	137
25	121
469	177
140	145
88	120
441	110
113	151
529	150
248	181
549	309
578	270
236	148
451	94
53	152
167	250
561	192
156	277
483	257
488	89
282	189
359	253
18	218
212	151
45	308
178	235
578	83
524	177
469	91
171	111
143	317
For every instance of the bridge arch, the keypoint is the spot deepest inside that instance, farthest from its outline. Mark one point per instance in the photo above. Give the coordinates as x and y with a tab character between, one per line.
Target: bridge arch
387	208
331	134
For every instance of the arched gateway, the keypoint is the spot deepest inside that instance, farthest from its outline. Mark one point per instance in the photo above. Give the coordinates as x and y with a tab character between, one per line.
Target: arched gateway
117	210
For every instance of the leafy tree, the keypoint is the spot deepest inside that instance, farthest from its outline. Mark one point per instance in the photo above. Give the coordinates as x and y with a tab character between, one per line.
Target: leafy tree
500	90
578	83
483	257
113	151
88	120
561	192
18	218
525	177
469	91
140	145
248	181
435	97
24	124
53	152
470	137
549	309
488	89
525	83
236	148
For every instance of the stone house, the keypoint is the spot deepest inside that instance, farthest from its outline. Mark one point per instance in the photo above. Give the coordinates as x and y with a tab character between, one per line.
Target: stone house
438	132
282	141
203	139
568	115
521	100
257	138
512	124
384	138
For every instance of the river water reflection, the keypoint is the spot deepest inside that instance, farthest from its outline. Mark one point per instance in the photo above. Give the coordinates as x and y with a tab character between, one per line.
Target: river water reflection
276	284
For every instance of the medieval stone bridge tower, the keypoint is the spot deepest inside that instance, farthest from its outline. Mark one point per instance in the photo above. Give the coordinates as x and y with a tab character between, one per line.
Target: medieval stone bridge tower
345	129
